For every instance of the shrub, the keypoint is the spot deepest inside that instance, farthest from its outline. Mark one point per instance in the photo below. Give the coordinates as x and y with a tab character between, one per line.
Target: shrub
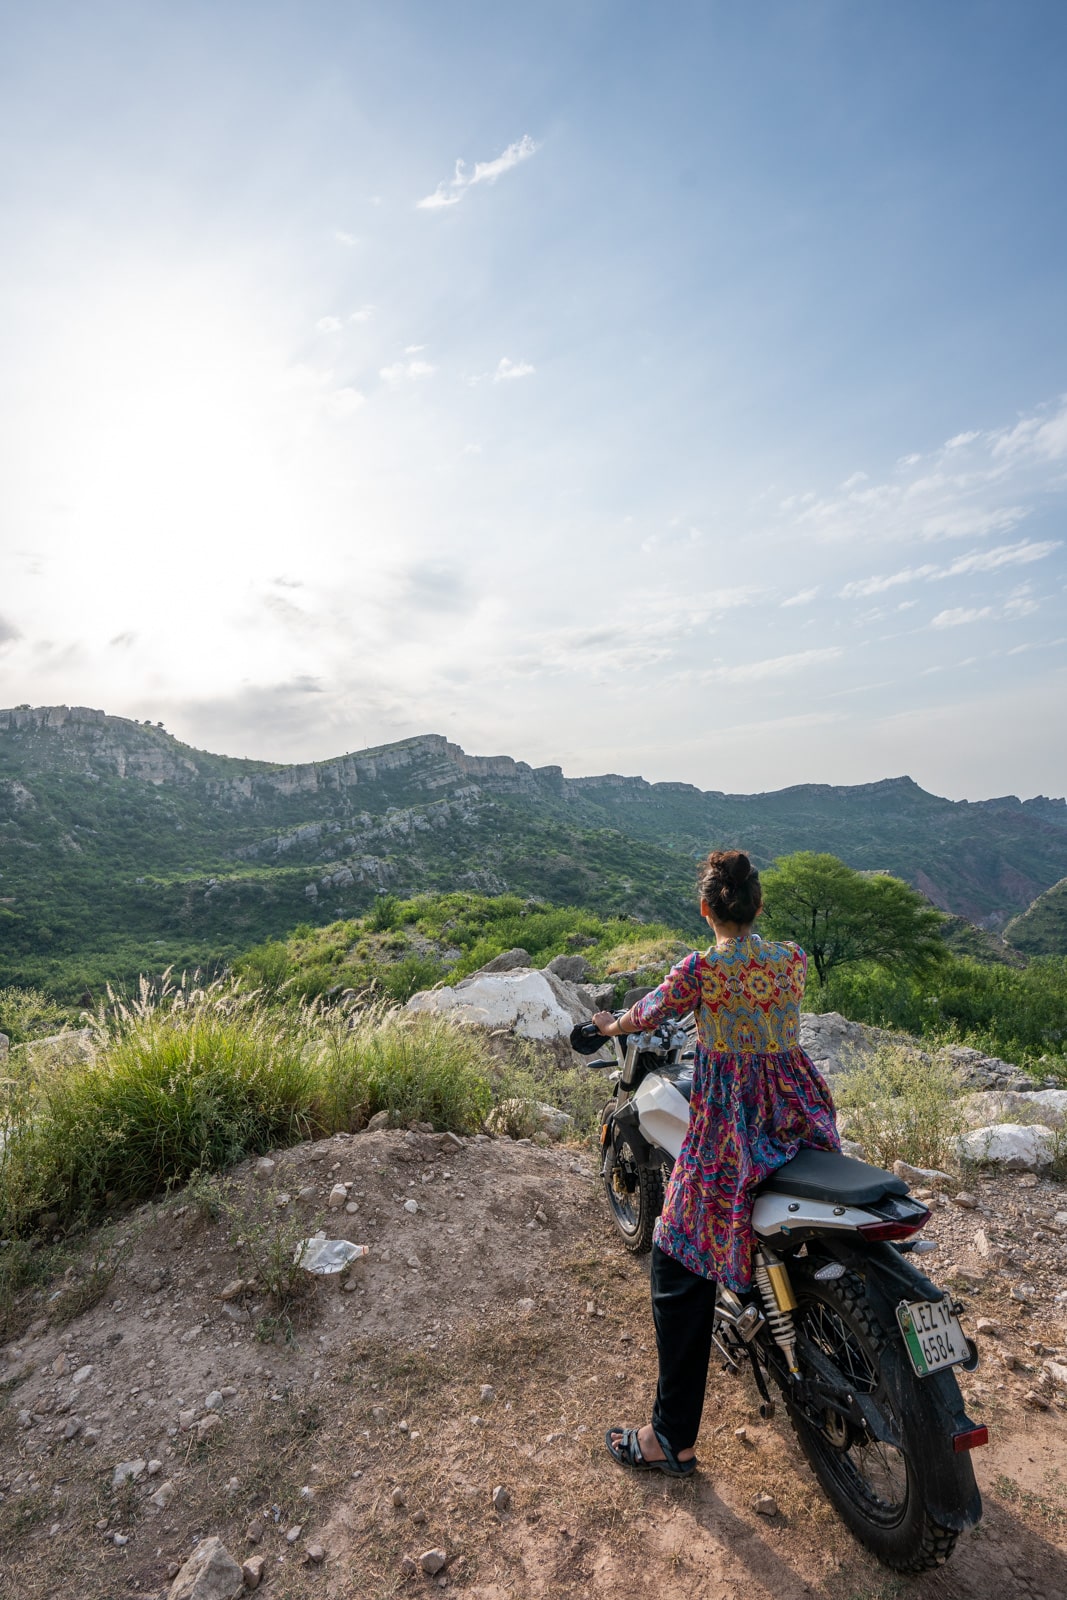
30	1014
901	1108
183	1081
417	1066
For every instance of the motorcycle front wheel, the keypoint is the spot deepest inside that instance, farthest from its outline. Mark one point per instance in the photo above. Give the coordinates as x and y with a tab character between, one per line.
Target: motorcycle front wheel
874	1485
635	1195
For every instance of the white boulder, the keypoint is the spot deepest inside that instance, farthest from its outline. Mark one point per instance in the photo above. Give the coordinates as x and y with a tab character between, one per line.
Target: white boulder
1011	1146
537	1005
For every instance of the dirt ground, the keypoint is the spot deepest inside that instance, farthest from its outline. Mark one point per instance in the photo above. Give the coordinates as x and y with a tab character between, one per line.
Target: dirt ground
487	1340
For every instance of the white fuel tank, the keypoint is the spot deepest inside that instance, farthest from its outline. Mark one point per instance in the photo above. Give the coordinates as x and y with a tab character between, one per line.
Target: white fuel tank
663	1113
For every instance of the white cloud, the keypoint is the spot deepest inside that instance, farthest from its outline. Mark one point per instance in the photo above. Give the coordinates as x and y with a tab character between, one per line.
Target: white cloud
348	239
860	588
803	597
772	666
452	191
958	615
364	314
1041	437
507	370
413	349
343	402
329	325
960	439
1004	555
405	371
854	482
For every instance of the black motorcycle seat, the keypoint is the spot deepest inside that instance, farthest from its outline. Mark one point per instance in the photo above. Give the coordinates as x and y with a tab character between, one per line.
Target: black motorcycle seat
826	1175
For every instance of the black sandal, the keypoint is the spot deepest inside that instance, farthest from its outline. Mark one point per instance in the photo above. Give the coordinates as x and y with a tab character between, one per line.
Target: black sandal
627	1452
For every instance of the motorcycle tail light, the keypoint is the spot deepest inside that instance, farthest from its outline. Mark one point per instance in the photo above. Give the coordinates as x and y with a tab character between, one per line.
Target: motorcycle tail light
971	1439
902	1229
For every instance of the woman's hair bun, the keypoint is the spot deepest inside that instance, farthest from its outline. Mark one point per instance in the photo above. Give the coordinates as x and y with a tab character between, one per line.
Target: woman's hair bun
730	885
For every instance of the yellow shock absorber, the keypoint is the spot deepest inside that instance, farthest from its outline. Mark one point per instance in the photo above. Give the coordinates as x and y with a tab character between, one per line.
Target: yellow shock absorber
779	1303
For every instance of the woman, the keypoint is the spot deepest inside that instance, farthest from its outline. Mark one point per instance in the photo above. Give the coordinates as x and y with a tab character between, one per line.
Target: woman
756	1100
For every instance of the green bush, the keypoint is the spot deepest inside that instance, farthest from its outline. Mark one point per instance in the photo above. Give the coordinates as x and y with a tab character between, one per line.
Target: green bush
265	966
195	1080
31	1014
1018	1015
900	1108
193	1083
417	1066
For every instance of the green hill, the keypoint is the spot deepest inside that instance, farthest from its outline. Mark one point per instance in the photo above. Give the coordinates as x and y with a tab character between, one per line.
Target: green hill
1041	930
122	849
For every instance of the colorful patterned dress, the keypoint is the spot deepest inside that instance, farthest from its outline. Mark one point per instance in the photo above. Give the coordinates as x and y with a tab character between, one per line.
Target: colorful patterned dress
756	1097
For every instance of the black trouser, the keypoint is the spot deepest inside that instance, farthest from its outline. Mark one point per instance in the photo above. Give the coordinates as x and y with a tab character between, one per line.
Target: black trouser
683	1307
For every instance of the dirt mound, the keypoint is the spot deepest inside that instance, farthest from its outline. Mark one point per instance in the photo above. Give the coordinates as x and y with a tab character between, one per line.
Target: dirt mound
492	1333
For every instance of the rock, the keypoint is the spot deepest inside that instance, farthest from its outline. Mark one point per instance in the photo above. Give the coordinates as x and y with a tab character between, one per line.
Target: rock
338	1197
213	1401
398	1497
282	1199
1035	1401
231	1290
186	1420
264	1168
966	1200
163	1496
536	1005
501	1498
254	1531
120	1539
315	1554
765	1505
408	1566
380	1120
208	1425
73	1427
411	1206
572	969
210	1573
1011	1146
419	1518
851	1147
294	1533
127	1472
986	1326
431	1561
487	1392
1023	1292
928	1177
61	1365
550	1120
1047	1106
252	1571
507	961
596	996
1057	1371
82	1375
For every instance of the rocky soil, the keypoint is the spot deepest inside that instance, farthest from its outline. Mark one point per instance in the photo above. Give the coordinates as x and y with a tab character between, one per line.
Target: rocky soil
433	1418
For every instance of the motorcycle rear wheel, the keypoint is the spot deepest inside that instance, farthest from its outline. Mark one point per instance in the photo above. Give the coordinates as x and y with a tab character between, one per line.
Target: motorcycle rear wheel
873	1485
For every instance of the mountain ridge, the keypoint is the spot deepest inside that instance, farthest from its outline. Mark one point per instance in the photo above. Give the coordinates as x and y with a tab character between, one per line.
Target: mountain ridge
115	835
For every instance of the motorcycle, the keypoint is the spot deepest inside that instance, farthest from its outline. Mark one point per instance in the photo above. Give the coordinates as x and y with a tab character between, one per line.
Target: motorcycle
839	1319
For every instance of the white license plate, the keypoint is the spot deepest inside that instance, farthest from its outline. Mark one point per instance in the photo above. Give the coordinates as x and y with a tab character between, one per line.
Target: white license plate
933	1336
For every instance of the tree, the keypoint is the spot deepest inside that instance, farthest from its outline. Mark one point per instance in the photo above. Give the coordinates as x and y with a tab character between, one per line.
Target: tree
840	916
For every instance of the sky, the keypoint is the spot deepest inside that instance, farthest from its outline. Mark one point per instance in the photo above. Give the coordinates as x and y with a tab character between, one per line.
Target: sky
672	389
